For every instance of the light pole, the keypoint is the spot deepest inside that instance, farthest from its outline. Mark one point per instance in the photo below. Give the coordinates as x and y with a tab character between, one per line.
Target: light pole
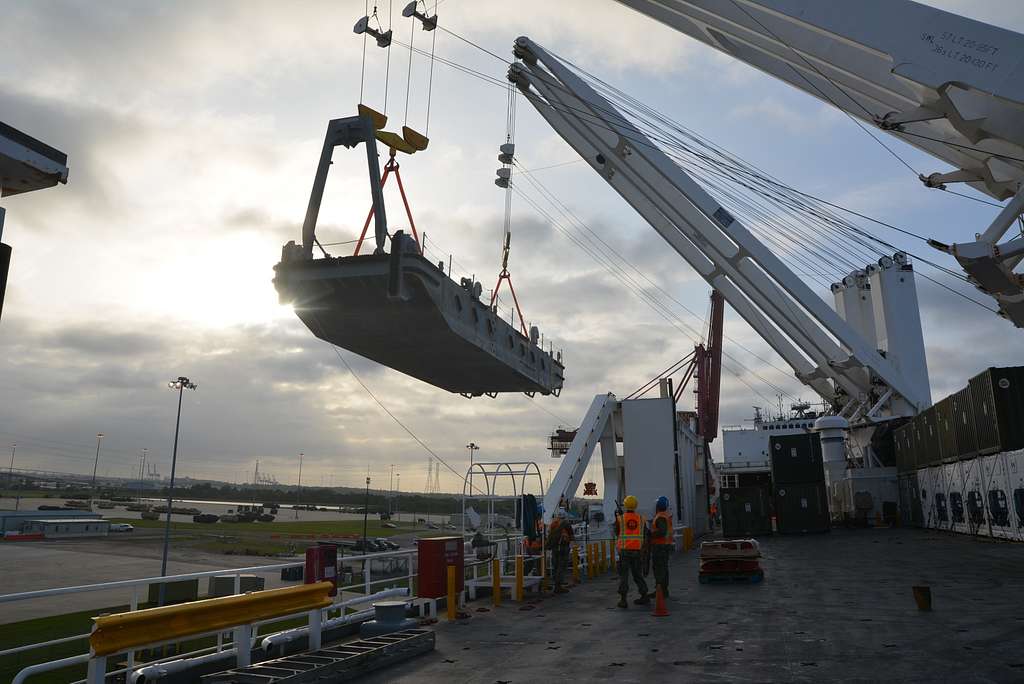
92	490
391	486
10	477
142	471
472	447
181	384
398	490
298	490
366	511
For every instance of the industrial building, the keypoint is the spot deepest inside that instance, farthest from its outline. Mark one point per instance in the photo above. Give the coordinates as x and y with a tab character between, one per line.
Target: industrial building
63	528
14	521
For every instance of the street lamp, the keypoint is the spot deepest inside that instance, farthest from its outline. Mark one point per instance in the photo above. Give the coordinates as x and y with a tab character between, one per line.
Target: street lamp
472	447
398	490
366	511
92	491
181	384
10	477
298	491
142	472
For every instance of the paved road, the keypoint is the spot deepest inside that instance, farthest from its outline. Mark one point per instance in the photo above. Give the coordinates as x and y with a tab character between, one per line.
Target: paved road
833	607
28	566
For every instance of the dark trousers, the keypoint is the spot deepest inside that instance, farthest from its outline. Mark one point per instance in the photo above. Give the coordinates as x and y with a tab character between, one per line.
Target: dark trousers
559	559
630	562
659	563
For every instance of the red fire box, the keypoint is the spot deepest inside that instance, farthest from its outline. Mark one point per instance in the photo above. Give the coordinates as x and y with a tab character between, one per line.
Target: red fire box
322	565
435	554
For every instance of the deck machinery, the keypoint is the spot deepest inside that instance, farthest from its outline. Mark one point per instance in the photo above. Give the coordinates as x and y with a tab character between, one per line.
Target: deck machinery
400	309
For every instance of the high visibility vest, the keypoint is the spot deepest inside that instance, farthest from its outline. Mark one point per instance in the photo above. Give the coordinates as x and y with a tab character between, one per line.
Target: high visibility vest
563	538
667	539
631	532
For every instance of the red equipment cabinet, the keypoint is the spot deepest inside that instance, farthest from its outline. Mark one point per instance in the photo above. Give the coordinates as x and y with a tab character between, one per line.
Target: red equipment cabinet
434	555
322	565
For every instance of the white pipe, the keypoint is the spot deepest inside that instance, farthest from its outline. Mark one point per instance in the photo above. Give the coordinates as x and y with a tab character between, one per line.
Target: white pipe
47	667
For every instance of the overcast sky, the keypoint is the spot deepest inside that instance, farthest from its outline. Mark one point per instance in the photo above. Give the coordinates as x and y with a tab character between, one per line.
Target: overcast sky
192	131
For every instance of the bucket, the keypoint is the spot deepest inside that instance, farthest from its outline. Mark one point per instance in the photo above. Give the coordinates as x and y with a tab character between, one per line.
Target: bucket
923	597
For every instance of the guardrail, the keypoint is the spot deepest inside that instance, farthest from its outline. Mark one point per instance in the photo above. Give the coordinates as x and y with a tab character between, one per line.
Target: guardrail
348	595
367	567
588	559
122	632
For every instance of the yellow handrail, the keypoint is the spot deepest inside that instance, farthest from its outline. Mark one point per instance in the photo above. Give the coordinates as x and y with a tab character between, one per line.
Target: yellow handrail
123	631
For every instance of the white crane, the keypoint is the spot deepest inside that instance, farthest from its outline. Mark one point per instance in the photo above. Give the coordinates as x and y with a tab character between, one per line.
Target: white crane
950	86
824	350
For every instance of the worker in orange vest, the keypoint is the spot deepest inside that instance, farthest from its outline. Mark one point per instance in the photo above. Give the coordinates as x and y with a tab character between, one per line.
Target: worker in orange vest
629	533
661	543
560	536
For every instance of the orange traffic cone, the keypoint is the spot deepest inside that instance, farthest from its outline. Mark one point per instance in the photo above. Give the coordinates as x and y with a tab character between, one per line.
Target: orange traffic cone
659	604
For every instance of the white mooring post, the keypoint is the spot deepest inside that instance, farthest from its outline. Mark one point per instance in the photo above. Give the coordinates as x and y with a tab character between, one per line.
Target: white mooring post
314	630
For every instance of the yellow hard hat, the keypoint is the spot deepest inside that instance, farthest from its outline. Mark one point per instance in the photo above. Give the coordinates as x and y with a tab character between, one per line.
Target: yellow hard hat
630	503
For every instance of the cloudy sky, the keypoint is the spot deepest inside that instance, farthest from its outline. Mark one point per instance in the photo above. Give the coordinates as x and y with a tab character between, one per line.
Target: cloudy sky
193	129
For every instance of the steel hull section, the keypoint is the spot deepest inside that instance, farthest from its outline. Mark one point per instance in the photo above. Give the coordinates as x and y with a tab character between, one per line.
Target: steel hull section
403	312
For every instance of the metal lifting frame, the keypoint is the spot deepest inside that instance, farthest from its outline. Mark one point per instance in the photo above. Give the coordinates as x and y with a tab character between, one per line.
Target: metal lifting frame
349	132
507	277
390	167
798	325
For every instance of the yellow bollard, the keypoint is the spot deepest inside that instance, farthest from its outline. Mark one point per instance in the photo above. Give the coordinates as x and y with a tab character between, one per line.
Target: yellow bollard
543	572
452	601
604	557
687	538
575	564
590	561
611	548
519	578
496	582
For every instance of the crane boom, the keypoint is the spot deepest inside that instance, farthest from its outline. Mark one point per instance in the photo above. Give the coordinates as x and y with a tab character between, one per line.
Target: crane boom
948	85
811	337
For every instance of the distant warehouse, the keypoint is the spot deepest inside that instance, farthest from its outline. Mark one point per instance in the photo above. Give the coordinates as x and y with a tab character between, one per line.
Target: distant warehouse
58	528
15	521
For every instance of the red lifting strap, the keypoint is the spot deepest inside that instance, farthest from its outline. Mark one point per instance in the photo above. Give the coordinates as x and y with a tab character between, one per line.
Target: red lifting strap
389	168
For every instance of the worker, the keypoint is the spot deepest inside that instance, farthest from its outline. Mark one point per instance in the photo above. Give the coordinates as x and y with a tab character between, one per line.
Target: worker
533	544
714	513
661	543
560	537
629	533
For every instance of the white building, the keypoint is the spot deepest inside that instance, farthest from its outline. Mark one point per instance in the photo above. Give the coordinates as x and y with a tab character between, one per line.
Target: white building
60	528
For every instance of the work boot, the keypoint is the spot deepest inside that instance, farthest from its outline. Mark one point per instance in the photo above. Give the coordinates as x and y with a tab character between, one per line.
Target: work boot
622	601
643	600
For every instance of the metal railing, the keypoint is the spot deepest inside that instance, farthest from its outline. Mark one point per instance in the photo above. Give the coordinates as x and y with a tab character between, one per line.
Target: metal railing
348	596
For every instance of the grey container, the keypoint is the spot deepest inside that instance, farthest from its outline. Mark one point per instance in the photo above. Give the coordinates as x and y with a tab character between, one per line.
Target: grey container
928	446
904	440
946	429
997	395
964	428
796	458
801	508
179	591
745	511
224	585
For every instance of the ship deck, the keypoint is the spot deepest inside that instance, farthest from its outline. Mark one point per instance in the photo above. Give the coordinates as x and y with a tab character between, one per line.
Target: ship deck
832	607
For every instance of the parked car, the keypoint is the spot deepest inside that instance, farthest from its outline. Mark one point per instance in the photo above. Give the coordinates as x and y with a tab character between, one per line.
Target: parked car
121	527
387	544
389	525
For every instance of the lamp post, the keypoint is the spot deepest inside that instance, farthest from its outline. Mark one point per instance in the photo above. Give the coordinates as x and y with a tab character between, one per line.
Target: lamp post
472	447
398	490
10	476
92	490
142	472
298	492
366	511
181	384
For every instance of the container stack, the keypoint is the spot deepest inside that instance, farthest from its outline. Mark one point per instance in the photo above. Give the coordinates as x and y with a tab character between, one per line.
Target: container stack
961	461
798	483
746	511
730	561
